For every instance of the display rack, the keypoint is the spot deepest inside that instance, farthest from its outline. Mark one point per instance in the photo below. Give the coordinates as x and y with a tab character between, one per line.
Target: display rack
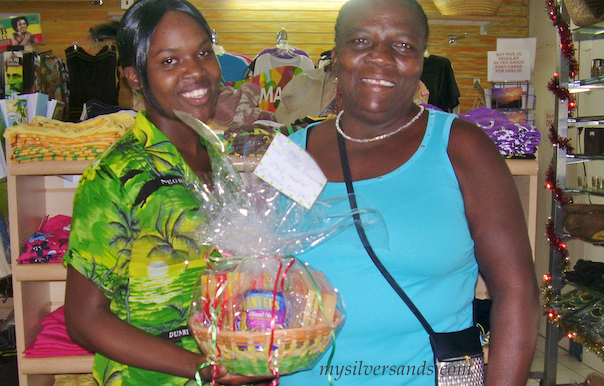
526	100
561	320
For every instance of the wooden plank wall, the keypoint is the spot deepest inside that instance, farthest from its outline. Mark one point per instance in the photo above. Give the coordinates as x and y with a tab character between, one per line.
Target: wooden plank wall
248	26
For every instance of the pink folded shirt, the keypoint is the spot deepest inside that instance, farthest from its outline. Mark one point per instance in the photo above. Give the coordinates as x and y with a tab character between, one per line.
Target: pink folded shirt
53	340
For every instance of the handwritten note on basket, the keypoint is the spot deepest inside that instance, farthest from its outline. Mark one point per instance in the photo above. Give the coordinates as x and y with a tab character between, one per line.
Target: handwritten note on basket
291	170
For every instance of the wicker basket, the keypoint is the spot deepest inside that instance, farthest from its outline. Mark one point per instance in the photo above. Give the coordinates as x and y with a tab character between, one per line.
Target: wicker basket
468	7
585	12
245	352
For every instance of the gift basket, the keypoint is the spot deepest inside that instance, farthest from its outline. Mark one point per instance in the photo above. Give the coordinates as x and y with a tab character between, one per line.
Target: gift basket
265	315
257	309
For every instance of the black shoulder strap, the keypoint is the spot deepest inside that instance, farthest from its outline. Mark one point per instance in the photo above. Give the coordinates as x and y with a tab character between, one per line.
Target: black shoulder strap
368	248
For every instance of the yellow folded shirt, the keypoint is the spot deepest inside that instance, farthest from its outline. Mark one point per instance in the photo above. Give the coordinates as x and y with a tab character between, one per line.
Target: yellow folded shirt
111	123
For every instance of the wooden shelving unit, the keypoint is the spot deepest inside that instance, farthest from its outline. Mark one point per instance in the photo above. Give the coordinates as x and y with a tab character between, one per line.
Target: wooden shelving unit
35	190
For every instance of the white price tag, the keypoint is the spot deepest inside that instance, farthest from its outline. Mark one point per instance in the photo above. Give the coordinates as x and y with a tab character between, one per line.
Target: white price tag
292	171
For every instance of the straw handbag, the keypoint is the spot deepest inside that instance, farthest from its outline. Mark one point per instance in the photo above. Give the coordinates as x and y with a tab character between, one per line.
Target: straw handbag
468	7
585	12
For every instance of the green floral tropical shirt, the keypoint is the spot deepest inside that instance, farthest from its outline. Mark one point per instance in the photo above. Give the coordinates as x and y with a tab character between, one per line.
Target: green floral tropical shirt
134	233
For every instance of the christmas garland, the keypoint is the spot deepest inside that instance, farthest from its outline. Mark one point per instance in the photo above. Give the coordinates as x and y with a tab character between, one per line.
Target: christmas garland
567	49
562	93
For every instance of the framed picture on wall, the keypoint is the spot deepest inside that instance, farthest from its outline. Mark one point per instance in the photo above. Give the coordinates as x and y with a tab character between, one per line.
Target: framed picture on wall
20	30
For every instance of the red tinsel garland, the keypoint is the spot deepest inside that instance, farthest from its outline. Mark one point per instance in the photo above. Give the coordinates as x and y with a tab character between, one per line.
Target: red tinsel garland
561	142
561	93
567	48
555	240
566	41
552	184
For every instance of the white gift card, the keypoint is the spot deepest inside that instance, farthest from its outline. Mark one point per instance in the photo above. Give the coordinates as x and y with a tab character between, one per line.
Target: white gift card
291	170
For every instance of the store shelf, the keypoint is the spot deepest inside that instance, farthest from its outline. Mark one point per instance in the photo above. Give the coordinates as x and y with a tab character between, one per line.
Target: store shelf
594	192
585	85
579	158
39	272
56	365
523	167
593	121
47	168
592	32
484	22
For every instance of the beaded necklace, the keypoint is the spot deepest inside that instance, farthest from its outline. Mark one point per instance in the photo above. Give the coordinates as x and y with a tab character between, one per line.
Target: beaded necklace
381	136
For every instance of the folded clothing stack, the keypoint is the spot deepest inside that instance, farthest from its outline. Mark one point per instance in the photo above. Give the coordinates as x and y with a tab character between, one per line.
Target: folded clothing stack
589	274
48	139
512	138
49	243
53	340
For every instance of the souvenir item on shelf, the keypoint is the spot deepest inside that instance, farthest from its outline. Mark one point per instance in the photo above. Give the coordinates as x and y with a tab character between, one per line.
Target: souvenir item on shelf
91	76
585	221
471	7
513	139
585	12
49	243
53	339
573	301
13	72
587	274
48	139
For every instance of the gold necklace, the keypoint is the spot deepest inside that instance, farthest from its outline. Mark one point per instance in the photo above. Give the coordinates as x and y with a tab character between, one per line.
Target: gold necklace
379	137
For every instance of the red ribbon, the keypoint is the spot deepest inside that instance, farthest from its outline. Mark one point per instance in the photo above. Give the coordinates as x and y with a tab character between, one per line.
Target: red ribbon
279	284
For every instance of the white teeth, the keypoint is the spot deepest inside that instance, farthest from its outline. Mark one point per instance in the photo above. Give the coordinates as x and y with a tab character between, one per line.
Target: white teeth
380	82
195	93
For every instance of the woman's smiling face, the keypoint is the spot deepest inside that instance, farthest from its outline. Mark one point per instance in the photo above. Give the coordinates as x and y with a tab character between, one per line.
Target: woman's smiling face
182	68
379	56
22	26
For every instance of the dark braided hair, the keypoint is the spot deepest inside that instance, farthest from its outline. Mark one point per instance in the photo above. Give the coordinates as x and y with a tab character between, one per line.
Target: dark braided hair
350	3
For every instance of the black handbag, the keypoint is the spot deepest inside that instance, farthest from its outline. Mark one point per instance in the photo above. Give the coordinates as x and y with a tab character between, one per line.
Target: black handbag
458	356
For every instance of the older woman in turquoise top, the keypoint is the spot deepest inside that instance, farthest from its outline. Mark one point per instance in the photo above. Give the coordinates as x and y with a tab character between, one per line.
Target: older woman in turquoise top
449	202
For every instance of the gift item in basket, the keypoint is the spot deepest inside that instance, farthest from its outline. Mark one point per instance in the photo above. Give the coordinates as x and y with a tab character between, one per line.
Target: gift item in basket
585	221
585	12
468	7
265	316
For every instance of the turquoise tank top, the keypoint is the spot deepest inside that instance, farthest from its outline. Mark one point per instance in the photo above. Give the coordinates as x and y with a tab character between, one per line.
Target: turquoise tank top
430	253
